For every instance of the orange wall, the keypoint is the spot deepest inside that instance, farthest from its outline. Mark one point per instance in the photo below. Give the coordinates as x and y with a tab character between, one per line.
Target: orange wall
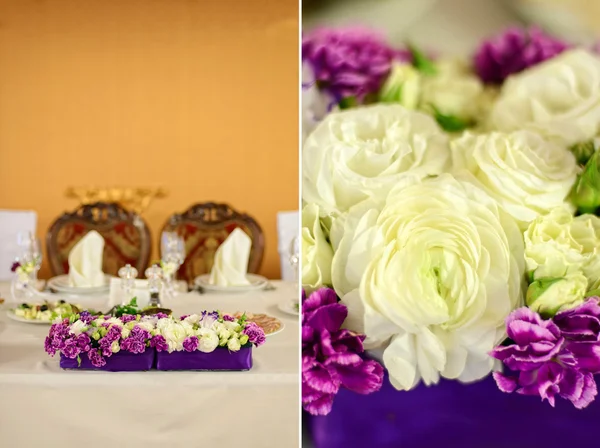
200	97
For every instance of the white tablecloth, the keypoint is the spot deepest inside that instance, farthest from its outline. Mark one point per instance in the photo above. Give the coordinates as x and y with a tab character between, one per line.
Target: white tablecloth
43	406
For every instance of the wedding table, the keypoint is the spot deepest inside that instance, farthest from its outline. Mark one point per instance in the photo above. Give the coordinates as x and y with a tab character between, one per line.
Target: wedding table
42	405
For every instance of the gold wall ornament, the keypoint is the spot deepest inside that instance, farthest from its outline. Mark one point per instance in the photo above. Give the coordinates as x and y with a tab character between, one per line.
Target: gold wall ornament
136	199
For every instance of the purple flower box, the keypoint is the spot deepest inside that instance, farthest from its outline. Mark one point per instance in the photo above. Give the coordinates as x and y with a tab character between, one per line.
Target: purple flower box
220	359
119	362
452	415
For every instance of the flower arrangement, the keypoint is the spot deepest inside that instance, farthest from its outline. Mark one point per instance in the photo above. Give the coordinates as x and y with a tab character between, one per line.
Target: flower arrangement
452	207
95	339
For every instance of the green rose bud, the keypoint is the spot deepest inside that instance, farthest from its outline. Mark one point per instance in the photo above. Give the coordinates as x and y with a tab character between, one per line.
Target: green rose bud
548	295
583	151
244	339
96	335
403	86
586	191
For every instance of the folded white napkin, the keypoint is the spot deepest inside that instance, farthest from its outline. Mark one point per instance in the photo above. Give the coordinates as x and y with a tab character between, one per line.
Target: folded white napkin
231	260
85	261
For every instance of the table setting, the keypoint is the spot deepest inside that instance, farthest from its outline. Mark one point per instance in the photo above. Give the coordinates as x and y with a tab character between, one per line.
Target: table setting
223	342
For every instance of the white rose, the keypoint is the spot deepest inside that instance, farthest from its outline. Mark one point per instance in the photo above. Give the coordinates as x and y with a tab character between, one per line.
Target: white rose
208	340
125	332
175	334
559	99
224	334
115	347
164	323
188	328
558	244
232	326
525	174
192	318
145	325
78	327
439	268
551	295
115	321
234	344
317	253
403	86
452	91
362	153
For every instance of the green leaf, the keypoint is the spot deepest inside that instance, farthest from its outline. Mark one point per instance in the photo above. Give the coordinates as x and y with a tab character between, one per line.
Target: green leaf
449	123
78	361
592	293
583	151
530	277
348	102
421	62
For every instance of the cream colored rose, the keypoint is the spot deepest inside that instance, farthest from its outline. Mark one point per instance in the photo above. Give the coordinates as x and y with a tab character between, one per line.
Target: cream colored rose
525	174
359	154
558	244
317	253
548	296
559	99
439	269
454	91
208	340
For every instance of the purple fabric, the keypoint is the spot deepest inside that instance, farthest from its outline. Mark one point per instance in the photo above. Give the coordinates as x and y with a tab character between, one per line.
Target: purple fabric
452	415
118	362
220	359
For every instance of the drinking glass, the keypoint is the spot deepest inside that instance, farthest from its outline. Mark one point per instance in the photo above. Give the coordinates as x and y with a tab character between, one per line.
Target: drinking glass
295	259
23	285
172	250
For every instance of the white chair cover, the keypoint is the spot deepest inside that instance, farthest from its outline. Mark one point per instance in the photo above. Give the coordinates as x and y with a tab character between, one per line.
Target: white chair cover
287	229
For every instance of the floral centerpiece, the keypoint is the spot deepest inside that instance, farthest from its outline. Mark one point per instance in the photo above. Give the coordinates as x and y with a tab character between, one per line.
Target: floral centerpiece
451	206
206	341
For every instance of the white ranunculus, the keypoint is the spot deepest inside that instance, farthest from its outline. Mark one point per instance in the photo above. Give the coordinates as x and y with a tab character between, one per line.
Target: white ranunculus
439	269
125	332
232	326
317	253
208	340
174	334
559	99
453	91
78	327
361	153
115	321
525	174
558	244
192	318
551	295
234	344
115	348
146	325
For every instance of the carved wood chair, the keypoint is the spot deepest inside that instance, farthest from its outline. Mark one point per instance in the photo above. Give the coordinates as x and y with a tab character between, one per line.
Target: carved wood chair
126	237
204	227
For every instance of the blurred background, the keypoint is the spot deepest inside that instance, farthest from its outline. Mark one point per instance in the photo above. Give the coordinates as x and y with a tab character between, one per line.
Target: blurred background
155	104
454	27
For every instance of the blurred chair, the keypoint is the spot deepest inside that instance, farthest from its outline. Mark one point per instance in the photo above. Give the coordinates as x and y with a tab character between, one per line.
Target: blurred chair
126	237
287	229
204	227
11	223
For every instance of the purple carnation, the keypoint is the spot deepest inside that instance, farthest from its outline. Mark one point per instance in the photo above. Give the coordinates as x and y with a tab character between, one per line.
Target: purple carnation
228	318
256	335
513	51
83	342
105	346
159	343
349	62
133	345
190	344
86	317
185	316
49	346
70	349
139	333
545	360
127	318
160	315
57	336
331	356
96	358
113	334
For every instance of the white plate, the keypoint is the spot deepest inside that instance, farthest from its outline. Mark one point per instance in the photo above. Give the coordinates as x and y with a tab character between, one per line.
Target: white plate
257	282
62	284
289	307
11	315
275	332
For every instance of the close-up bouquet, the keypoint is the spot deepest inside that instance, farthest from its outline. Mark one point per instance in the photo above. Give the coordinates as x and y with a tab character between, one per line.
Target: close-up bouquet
451	205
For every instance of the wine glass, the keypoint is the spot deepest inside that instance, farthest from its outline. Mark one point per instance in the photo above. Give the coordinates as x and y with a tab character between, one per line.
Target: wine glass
172	250
29	257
